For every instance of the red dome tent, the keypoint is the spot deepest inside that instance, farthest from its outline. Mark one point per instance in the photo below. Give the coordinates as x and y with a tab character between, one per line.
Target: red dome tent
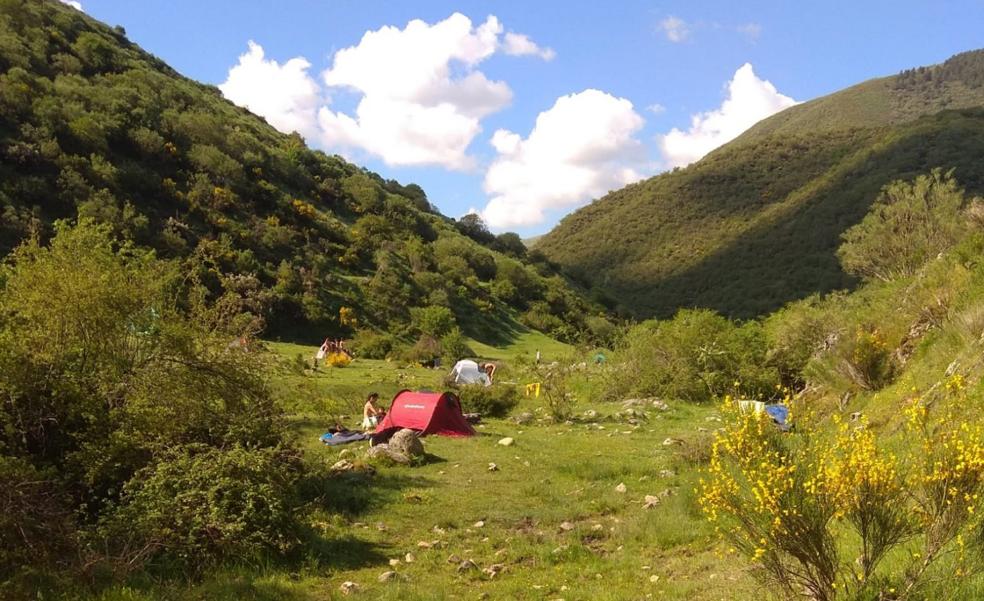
426	412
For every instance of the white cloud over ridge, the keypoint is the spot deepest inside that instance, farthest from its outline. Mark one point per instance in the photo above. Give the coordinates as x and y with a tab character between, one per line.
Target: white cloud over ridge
580	148
421	97
284	94
749	100
73	3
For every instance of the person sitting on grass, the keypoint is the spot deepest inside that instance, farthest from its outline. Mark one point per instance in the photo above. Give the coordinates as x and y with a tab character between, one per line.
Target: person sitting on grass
371	414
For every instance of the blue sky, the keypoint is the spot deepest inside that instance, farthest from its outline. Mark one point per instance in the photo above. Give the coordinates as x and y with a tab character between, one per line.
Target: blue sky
609	81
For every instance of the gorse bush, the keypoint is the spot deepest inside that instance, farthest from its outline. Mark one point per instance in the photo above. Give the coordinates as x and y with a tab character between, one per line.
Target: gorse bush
338	360
862	360
797	506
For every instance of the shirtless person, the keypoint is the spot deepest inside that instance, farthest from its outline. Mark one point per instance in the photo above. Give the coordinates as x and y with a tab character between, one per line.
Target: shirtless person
371	414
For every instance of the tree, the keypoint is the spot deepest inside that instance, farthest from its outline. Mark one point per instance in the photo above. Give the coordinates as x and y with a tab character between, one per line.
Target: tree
474	227
909	224
432	321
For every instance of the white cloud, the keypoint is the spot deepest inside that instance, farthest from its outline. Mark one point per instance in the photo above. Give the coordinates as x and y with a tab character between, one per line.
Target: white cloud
749	100
423	98
73	3
517	44
656	108
580	148
284	94
750	30
675	28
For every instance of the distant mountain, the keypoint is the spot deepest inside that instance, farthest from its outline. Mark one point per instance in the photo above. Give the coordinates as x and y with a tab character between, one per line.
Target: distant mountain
756	222
93	126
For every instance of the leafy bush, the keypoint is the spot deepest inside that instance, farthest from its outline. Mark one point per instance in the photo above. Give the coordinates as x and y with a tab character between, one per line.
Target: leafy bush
141	370
372	345
491	401
454	347
199	505
909	224
696	356
434	321
424	351
796	334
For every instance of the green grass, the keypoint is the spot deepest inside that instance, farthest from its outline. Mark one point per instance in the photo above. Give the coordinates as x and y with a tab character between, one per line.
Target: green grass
554	473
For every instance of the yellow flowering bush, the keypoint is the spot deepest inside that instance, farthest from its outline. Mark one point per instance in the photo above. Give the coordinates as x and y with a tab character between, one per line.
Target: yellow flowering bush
338	359
818	512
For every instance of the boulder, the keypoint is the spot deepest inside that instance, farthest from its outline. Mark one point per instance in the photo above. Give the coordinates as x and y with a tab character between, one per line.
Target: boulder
407	442
387	576
507	441
385	452
348	587
343	465
523	418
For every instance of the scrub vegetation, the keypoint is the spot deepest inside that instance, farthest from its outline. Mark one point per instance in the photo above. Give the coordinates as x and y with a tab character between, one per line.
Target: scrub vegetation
160	424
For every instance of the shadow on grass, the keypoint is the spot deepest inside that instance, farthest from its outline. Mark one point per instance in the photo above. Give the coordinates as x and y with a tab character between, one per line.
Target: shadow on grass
347	552
355	493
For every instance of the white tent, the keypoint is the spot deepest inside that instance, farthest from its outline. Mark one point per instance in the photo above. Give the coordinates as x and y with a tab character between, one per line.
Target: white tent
467	371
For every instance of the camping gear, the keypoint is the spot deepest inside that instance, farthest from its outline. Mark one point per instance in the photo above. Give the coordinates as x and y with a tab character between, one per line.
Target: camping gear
344	437
425	412
467	371
780	415
753	406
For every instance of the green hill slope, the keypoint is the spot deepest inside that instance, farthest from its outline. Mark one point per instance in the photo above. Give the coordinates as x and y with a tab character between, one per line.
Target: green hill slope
92	126
756	223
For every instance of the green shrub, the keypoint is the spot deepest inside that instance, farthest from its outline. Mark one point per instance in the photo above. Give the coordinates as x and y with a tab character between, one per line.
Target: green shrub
434	321
372	345
796	333
198	505
697	356
491	401
454	347
908	225
424	351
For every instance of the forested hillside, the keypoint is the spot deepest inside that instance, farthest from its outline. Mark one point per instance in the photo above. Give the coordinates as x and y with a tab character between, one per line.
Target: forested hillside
93	127
757	222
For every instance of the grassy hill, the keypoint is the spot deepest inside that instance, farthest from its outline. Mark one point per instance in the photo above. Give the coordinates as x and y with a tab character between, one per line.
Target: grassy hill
92	126
756	223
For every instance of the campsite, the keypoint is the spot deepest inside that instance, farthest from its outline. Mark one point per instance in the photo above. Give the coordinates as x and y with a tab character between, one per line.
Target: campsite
569	302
